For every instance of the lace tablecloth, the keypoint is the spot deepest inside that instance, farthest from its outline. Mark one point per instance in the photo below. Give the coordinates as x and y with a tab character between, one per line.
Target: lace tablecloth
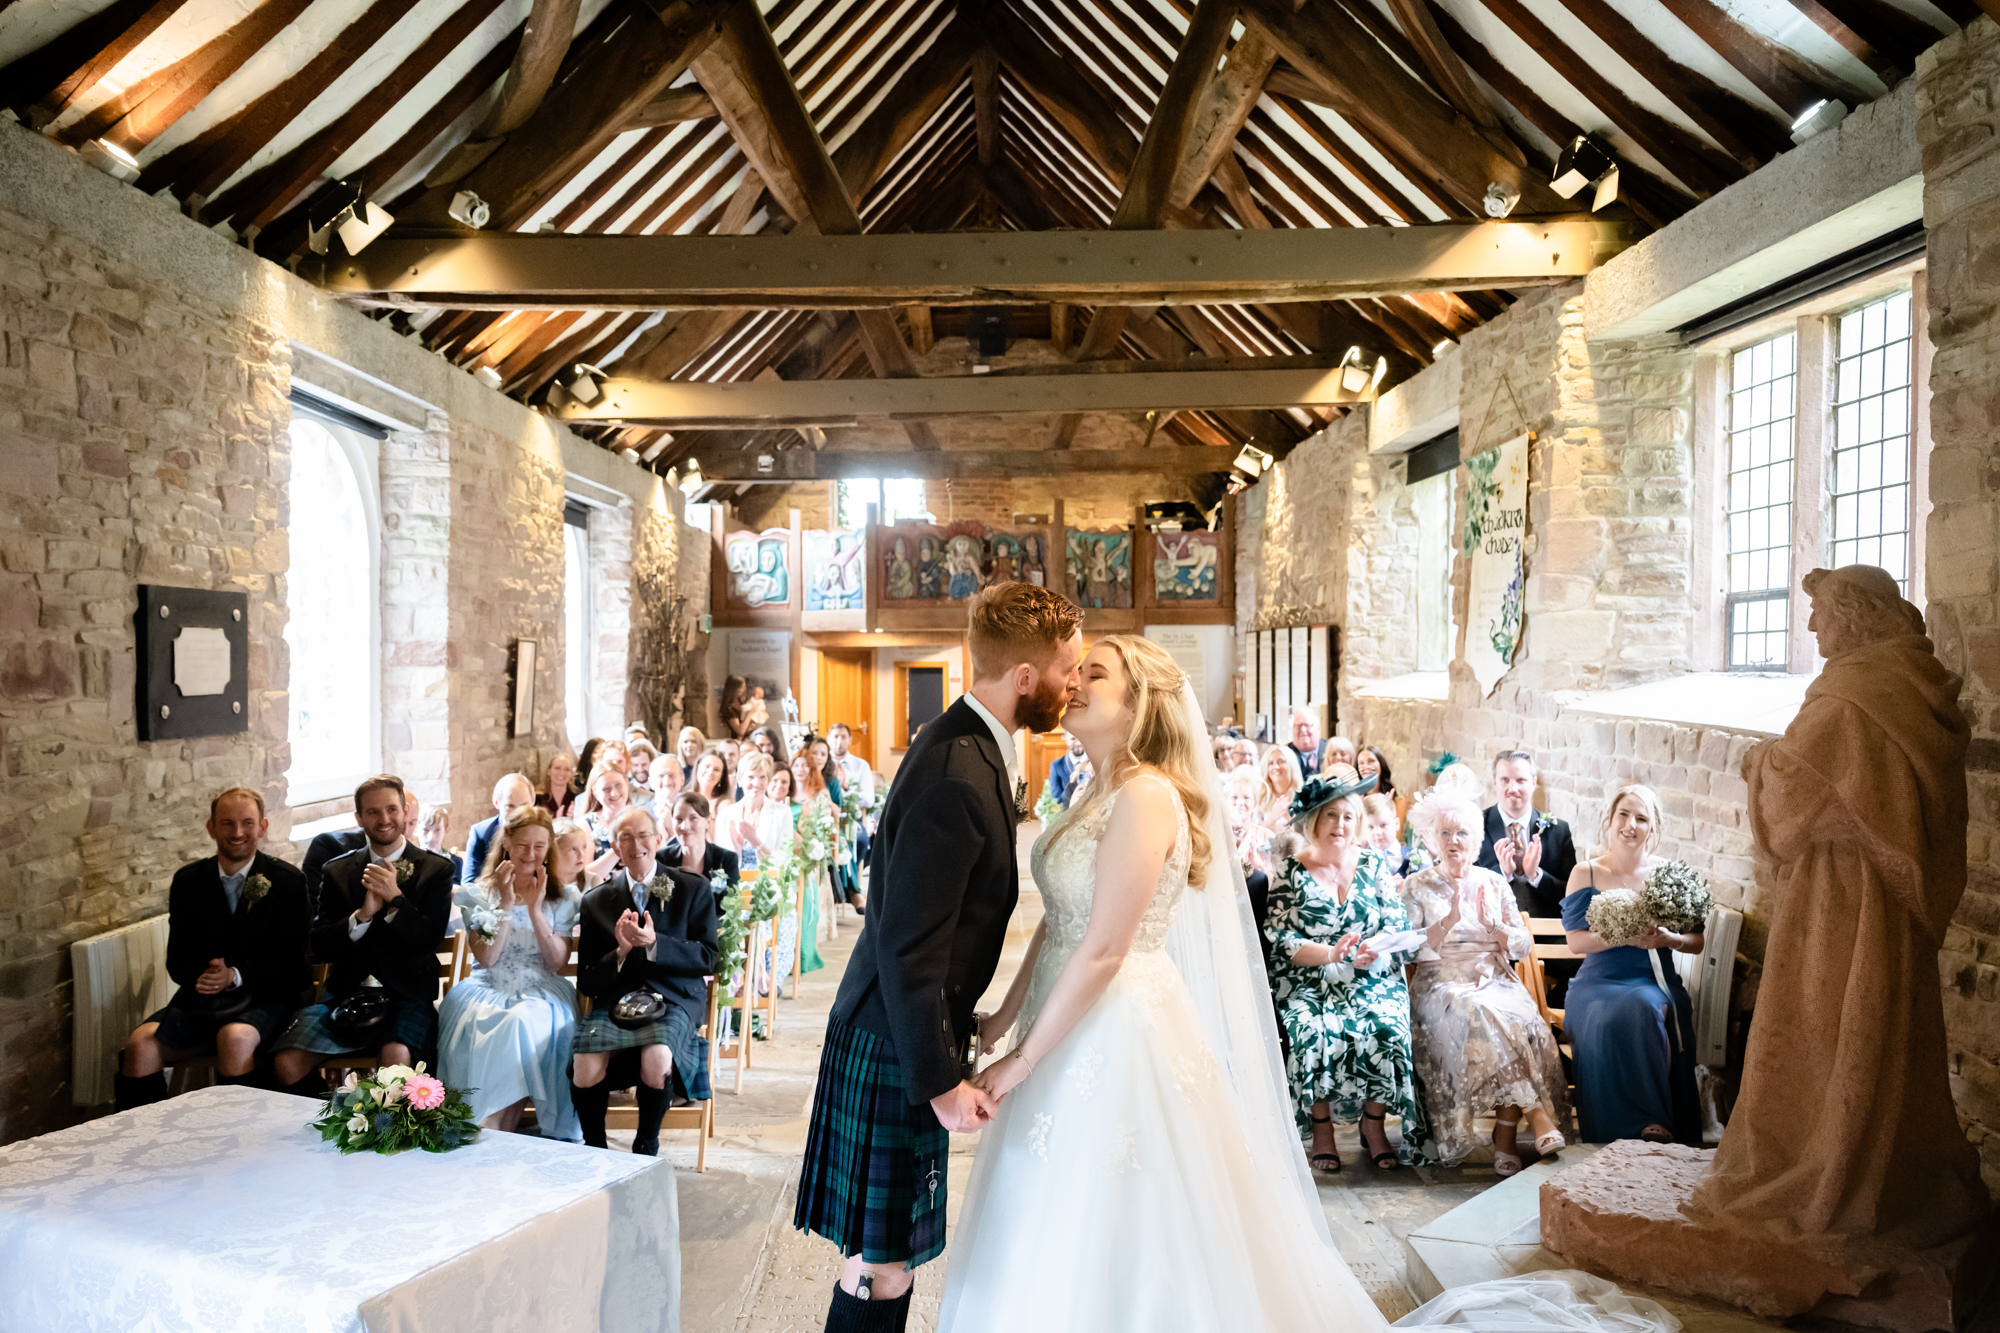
221	1210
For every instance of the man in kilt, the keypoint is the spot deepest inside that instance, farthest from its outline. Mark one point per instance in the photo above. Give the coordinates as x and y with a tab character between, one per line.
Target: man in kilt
650	927
236	947
381	915
942	884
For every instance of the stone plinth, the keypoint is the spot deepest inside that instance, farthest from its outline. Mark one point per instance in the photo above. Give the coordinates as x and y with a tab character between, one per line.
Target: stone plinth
1619	1214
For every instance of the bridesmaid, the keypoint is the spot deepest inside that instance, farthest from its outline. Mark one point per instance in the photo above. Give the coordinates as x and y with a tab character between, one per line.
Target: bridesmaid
1344	1007
504	1032
1628	1015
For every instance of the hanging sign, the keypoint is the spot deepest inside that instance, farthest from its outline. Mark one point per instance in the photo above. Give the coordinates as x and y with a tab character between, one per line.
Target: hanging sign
1496	514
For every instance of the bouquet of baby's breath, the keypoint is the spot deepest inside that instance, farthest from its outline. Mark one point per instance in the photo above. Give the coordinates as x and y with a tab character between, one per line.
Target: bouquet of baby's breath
1619	916
1677	896
395	1108
1047	807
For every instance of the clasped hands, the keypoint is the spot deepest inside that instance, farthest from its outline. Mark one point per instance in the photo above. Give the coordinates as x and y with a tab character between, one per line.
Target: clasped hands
381	890
1519	860
633	931
966	1108
216	978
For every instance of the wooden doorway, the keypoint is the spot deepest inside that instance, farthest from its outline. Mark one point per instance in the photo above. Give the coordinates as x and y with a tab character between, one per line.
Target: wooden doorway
847	694
1044	748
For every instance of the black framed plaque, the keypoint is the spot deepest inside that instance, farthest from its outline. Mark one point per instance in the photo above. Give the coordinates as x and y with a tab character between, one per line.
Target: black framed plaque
194	662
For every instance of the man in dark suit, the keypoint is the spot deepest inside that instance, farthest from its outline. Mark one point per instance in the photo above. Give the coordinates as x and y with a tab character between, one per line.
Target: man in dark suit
1305	742
511	793
1531	849
892	1077
651	926
382	912
236	947
325	846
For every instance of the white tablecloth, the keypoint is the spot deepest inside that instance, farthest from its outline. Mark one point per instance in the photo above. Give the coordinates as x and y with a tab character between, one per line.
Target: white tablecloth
221	1210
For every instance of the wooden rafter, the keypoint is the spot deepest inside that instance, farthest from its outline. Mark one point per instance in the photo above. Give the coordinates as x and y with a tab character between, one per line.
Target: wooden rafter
1777	71
741	465
1419	25
672	107
1226	103
545	39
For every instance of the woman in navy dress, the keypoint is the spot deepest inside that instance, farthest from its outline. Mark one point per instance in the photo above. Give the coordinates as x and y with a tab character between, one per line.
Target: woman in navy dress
1629	1018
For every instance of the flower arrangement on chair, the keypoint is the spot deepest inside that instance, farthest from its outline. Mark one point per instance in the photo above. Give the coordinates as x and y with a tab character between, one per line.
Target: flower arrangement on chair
393	1109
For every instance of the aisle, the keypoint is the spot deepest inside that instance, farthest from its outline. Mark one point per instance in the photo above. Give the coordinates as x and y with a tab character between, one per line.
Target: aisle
745	1270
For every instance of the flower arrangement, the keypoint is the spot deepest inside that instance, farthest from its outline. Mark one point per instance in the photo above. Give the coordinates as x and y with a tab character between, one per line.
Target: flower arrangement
254	889
1678	897
396	1108
1047	807
1619	916
481	916
732	927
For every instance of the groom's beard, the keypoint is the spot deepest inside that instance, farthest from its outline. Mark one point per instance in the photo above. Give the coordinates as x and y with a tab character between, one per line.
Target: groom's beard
1041	710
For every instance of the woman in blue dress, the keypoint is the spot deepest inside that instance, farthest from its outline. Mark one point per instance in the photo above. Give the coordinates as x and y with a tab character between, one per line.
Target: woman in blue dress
504	1032
1629	1018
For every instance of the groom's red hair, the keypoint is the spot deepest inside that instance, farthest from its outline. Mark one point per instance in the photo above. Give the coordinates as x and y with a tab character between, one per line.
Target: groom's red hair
1010	623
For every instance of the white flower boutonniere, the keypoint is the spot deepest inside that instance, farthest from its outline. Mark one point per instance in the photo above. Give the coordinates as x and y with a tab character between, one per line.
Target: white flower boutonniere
661	887
254	889
403	870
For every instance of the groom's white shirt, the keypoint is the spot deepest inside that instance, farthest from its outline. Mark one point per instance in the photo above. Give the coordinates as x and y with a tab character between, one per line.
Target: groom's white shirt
1001	736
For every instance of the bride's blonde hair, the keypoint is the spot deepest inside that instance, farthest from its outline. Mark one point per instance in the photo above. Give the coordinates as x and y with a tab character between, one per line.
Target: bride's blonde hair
1160	737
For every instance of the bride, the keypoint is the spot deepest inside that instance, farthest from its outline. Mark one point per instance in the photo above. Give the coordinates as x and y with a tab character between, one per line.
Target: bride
1143	1171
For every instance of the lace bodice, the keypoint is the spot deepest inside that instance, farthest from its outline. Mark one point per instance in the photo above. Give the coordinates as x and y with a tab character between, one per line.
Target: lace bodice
1065	871
519	966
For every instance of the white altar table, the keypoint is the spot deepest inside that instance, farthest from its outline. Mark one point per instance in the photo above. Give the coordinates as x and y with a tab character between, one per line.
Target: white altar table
221	1210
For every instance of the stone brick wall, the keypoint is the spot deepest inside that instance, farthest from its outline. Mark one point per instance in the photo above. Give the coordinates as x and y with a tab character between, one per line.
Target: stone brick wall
142	439
1958	129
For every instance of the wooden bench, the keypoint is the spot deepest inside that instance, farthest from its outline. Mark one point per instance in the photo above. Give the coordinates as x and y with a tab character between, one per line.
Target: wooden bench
1551	941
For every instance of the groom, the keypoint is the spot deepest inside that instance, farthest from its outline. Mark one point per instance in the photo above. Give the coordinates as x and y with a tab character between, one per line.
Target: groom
942	884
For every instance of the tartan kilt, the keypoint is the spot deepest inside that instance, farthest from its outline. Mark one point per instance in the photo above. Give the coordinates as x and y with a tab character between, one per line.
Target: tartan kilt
187	1032
596	1034
411	1022
873	1181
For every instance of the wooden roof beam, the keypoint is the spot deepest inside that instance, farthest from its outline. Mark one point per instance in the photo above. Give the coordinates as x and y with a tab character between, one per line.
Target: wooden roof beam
795	465
867	154
673	107
545	39
1419	24
1226	103
1777	71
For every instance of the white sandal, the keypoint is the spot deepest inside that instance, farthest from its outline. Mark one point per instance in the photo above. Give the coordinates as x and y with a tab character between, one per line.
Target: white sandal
1551	1143
1505	1164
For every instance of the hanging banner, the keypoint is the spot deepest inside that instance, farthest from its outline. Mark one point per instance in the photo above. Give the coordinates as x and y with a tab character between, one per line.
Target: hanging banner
1496	513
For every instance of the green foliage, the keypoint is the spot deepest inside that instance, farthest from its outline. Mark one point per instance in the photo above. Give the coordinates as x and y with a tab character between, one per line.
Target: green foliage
376	1114
1047	807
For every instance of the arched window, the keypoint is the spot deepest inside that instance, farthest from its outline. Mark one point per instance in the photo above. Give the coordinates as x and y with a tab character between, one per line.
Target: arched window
332	589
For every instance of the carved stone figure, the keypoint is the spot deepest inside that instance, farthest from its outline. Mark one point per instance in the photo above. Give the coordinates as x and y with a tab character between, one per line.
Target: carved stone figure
1844	1137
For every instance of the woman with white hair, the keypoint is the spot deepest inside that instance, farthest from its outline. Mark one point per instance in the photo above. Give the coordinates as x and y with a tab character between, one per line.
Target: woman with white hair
1481	1044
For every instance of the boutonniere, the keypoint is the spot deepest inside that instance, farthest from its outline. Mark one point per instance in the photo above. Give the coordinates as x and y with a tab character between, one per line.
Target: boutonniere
1021	811
254	889
403	871
1539	821
660	887
719	881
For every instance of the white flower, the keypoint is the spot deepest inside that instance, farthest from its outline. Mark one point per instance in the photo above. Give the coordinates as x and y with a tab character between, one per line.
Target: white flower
816	851
351	1082
388	1074
357	1123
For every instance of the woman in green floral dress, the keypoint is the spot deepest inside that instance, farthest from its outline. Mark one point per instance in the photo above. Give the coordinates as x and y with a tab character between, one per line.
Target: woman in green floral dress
1344	1007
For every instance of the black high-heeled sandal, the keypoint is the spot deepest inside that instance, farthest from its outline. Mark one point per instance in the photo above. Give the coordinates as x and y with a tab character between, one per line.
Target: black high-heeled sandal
1386	1160
1319	1157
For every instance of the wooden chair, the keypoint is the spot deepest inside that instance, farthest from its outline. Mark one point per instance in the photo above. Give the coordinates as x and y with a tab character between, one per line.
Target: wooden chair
741	1004
1551	941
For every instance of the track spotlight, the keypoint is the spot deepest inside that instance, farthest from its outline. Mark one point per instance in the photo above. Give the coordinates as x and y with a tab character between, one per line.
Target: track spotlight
1821	115
767	462
1354	371
1253	460
110	159
469	210
692	482
340	209
656	448
630	455
582	382
1501	198
1585	161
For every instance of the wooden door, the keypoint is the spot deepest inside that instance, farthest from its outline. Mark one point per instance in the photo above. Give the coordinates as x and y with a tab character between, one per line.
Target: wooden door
847	694
1044	748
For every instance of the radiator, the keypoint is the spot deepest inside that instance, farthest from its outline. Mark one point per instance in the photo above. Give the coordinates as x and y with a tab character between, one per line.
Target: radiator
1708	975
121	976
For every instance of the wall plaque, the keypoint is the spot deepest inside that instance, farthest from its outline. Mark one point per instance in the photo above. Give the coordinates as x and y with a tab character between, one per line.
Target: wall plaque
194	663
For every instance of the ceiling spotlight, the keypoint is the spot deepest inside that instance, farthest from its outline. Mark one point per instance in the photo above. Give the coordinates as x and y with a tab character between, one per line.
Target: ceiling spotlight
1501	197
692	482
1821	115
1585	161
583	382
766	462
1440	347
110	159
489	376
1253	460
469	210
656	448
1238	483
630	455
340	209
1354	371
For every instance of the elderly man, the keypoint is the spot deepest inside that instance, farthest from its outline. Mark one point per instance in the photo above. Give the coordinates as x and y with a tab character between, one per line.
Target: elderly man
236	947
1844	1140
1305	740
513	792
649	928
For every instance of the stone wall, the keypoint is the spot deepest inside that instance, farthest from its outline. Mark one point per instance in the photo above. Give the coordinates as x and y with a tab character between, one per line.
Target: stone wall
1958	101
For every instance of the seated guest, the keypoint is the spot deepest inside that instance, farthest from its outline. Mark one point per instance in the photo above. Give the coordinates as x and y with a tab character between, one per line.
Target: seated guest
1338	750
323	848
1224	754
557	798
1244	791
1379	826
511	793
611	755
1627	1015
504	1032
1531	850
1370	762
711	778
767	741
236	948
667	787
1064	772
641	775
689	747
736	823
1304	745
732	761
435	833
382	913
609	795
691	848
1343	1005
1282	780
586	763
1245	752
1481	1045
650	927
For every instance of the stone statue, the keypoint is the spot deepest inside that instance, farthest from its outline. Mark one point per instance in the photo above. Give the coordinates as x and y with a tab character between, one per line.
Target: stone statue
1844	1142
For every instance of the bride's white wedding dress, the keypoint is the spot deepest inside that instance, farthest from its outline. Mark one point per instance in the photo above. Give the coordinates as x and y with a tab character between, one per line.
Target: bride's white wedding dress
1117	1187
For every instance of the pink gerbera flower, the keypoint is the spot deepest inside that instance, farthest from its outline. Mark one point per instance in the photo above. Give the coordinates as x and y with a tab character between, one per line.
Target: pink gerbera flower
424	1092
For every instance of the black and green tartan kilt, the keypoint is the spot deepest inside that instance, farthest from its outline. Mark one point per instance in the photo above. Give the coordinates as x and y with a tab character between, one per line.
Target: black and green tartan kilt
596	1034
873	1182
411	1022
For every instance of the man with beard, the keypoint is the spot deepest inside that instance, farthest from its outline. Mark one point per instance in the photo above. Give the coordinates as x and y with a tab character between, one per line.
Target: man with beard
893	1076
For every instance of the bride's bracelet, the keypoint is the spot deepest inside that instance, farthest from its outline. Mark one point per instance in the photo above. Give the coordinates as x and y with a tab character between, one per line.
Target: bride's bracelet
1019	1054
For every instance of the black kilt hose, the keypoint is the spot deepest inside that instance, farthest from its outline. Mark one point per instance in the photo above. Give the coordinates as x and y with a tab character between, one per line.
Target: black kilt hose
873	1182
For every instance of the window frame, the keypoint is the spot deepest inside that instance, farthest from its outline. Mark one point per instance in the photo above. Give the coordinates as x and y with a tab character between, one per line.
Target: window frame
362	451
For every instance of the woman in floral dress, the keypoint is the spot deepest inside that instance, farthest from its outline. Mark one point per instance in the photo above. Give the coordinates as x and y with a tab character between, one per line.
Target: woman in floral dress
1343	1005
